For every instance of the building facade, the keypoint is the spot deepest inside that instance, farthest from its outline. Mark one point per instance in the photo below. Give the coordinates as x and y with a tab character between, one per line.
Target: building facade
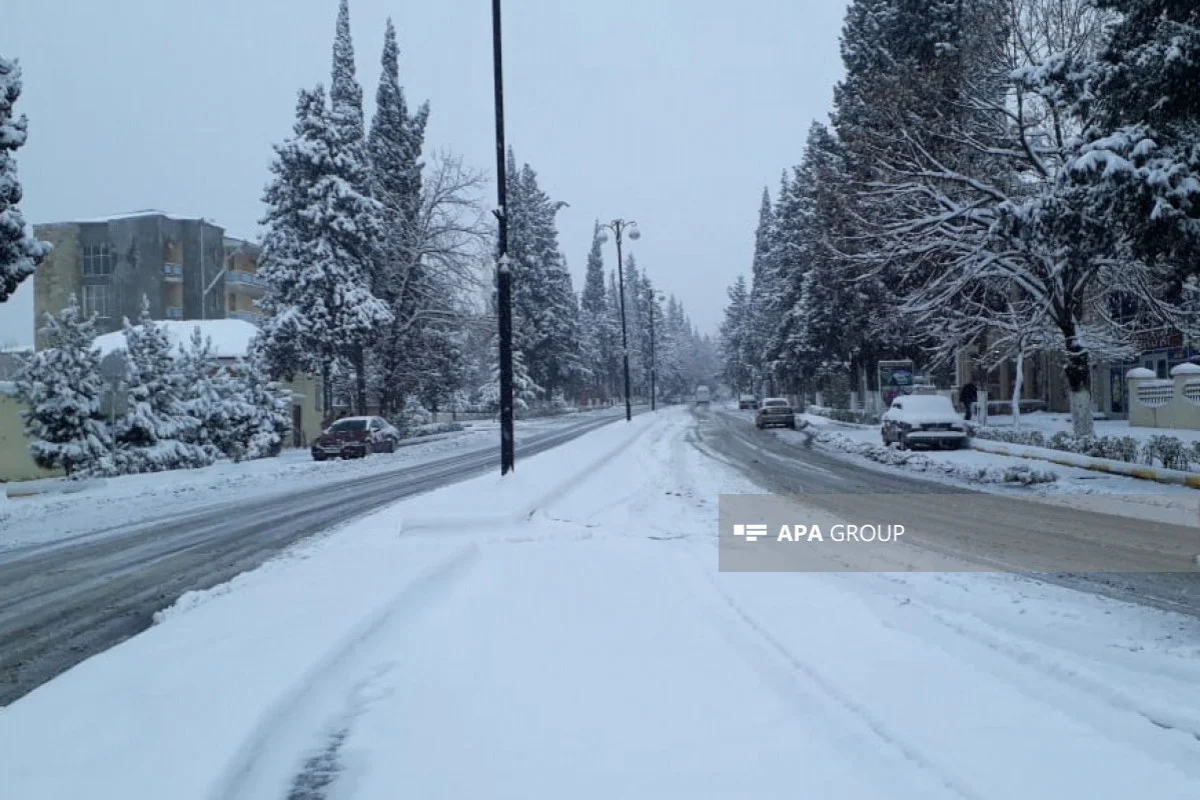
187	269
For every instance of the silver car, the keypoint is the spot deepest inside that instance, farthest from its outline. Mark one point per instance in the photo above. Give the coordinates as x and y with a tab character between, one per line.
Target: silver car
775	412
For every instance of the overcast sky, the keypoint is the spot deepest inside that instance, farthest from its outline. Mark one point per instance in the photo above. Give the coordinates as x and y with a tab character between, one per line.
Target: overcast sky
674	113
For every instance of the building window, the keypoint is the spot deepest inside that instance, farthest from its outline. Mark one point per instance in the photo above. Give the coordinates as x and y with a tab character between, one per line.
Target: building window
232	301
97	300
98	260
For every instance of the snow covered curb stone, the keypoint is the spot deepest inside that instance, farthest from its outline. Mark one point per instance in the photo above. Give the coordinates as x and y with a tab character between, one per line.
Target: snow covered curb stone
1109	465
1024	475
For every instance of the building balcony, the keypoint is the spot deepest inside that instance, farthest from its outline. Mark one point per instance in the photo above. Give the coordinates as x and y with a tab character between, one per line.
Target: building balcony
247	283
173	273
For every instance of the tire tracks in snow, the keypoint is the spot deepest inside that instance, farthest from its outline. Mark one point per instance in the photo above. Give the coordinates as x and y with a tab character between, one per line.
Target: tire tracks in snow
295	743
810	691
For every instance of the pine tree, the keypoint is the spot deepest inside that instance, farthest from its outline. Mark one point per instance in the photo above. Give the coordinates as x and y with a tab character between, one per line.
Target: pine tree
20	250
319	250
734	336
1140	160
762	291
206	395
155	433
545	312
401	278
63	389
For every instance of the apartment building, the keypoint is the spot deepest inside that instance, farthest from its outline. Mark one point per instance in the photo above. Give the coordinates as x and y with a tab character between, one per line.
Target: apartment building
186	267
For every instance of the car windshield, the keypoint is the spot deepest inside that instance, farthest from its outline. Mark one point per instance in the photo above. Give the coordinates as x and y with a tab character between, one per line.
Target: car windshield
927	404
347	425
775	404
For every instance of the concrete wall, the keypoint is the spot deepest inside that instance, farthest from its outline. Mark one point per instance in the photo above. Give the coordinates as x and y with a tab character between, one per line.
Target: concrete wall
58	276
15	461
1169	403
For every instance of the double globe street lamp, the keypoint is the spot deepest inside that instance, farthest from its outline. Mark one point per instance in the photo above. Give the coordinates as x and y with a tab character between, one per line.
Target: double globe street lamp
619	228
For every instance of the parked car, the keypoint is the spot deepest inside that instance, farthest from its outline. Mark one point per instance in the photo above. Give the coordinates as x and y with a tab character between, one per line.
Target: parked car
747	401
775	412
356	437
923	419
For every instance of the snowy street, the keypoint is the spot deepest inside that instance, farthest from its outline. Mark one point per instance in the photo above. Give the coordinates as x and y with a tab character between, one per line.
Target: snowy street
81	572
565	632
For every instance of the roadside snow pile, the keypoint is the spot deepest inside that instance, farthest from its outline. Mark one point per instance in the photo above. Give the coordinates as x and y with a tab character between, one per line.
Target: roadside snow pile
844	415
1021	474
1169	452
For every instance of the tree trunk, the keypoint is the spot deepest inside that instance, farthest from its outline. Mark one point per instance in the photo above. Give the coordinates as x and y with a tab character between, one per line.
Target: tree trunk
1018	382
359	357
1078	370
327	390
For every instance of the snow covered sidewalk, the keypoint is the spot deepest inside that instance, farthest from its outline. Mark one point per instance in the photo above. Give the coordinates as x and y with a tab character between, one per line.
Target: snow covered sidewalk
564	633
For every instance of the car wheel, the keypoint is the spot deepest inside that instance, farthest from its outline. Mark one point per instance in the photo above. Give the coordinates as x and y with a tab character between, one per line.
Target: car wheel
318	456
367	450
902	442
391	446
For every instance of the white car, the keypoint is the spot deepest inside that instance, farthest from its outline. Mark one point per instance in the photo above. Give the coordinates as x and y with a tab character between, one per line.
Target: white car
923	419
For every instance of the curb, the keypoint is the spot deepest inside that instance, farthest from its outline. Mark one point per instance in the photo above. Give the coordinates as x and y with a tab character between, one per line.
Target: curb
1106	465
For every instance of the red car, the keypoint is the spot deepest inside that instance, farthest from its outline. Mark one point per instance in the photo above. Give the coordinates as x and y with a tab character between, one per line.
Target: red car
356	437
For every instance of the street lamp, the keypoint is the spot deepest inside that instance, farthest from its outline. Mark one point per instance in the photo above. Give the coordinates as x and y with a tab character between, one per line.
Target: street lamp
619	227
503	273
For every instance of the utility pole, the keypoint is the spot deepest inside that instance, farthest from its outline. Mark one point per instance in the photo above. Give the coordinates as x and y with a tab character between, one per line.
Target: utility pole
503	273
618	227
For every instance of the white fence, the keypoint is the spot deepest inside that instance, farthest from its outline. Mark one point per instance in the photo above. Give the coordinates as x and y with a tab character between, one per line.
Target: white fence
1165	402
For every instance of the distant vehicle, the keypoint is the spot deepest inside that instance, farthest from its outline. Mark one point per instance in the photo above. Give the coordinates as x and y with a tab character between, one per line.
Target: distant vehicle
923	419
775	412
703	396
747	401
356	437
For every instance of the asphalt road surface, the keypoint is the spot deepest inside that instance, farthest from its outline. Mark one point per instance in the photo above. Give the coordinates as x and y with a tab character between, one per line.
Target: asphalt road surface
60	604
1145	562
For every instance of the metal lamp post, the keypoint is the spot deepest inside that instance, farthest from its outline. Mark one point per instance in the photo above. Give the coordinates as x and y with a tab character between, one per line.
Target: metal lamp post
503	274
619	227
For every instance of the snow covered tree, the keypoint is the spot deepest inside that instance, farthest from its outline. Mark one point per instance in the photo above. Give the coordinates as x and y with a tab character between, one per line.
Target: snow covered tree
319	250
735	338
545	307
1141	153
601	337
63	389
763	291
206	394
155	433
20	250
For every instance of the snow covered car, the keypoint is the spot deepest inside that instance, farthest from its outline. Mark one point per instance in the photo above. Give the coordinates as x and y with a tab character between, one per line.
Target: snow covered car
923	419
356	437
747	401
775	412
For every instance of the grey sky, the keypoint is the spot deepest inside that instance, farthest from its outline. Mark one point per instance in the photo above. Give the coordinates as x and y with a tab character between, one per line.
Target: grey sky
672	112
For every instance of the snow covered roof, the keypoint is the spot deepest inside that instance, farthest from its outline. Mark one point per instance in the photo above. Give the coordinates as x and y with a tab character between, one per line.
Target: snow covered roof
147	212
230	337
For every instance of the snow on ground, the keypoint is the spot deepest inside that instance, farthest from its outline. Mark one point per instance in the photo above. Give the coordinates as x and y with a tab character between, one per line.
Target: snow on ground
129	499
1075	488
564	633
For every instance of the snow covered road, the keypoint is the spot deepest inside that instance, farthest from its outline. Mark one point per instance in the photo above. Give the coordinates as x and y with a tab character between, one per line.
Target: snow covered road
67	599
564	633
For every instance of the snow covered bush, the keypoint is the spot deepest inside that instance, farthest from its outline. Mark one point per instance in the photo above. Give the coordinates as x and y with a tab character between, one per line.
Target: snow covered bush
1168	451
1021	474
156	432
63	388
1009	436
413	416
